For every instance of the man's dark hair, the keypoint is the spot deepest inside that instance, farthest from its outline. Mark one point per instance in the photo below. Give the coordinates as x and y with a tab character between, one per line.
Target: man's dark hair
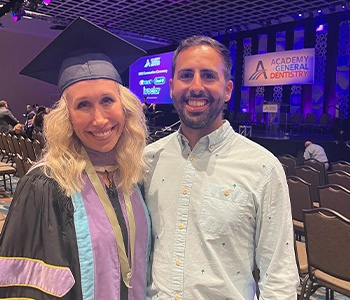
197	40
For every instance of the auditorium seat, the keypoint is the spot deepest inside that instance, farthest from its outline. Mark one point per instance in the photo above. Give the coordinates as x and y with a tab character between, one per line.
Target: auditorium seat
290	161
324	123
309	123
335	197
327	252
295	121
312	176
341	165
318	165
339	177
300	198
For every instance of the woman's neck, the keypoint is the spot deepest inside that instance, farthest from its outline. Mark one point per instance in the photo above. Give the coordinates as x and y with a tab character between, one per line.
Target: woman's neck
105	160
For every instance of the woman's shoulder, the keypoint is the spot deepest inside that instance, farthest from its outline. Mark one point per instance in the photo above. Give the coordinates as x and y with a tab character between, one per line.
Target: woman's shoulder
36	179
41	189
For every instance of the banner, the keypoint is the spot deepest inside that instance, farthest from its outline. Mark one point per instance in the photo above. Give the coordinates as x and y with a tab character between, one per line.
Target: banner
280	68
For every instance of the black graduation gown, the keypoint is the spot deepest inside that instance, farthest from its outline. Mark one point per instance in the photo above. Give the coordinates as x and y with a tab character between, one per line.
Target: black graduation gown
40	226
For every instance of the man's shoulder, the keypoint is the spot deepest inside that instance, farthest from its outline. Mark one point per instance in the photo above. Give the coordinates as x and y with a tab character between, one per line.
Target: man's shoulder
158	144
245	145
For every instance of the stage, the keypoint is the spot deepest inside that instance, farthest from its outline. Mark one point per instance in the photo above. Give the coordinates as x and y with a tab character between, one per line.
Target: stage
294	144
279	140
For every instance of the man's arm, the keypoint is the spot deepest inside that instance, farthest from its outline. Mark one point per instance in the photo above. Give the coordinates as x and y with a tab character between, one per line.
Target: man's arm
275	256
307	154
10	118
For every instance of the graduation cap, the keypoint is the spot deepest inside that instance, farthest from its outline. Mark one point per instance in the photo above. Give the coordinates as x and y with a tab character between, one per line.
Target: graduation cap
82	51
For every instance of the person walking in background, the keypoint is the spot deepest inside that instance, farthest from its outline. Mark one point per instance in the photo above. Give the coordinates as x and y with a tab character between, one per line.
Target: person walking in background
38	120
28	110
28	125
224	207
317	152
78	227
7	119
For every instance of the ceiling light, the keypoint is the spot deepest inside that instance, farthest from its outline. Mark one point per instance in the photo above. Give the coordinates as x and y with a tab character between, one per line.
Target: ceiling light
19	8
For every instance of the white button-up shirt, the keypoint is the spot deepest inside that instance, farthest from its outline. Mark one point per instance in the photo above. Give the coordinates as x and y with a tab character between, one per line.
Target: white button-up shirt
216	210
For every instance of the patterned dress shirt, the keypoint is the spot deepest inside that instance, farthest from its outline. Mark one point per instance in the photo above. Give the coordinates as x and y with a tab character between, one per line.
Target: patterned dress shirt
217	211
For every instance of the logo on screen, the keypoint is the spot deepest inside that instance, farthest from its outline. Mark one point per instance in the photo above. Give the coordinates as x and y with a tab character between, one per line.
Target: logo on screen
146	81
259	71
152	62
159	80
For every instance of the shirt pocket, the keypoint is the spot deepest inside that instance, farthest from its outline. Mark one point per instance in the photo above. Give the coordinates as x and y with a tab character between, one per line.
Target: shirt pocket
222	210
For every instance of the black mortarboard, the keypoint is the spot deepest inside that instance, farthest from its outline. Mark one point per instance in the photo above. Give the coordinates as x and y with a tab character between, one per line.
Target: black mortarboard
82	51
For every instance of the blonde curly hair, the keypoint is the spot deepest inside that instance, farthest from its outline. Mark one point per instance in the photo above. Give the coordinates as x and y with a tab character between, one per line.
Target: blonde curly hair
63	161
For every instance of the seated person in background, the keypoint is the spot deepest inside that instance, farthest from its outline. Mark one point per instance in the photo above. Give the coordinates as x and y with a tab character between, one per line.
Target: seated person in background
18	130
78	227
317	152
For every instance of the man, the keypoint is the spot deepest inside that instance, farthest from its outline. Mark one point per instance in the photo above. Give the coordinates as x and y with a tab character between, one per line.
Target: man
7	119
28	110
317	152
28	125
147	108
218	202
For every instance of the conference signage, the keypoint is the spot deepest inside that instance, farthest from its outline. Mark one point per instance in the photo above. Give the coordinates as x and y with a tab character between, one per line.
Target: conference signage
280	68
149	78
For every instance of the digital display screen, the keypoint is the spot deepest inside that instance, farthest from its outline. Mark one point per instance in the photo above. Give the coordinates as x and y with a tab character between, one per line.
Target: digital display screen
149	77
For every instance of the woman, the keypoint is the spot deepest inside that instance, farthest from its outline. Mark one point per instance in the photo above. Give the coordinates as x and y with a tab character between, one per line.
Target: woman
78	227
18	130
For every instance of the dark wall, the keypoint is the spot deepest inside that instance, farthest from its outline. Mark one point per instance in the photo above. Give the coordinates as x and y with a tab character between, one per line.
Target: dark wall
16	51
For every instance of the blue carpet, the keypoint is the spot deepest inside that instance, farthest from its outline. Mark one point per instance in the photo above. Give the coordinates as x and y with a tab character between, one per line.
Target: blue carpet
4	207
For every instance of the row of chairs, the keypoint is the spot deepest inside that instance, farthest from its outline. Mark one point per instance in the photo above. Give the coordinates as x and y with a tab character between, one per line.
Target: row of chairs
324	197
11	145
290	162
314	177
12	149
310	123
22	165
323	258
314	173
6	172
310	188
331	196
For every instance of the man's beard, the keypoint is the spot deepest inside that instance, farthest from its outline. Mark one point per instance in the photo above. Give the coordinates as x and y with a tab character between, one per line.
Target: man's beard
198	120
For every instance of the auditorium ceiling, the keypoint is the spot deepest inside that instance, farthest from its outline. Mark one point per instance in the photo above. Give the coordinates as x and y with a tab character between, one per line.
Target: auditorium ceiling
165	22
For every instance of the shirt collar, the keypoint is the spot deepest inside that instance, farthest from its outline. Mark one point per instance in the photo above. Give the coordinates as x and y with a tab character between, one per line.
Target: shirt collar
211	140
